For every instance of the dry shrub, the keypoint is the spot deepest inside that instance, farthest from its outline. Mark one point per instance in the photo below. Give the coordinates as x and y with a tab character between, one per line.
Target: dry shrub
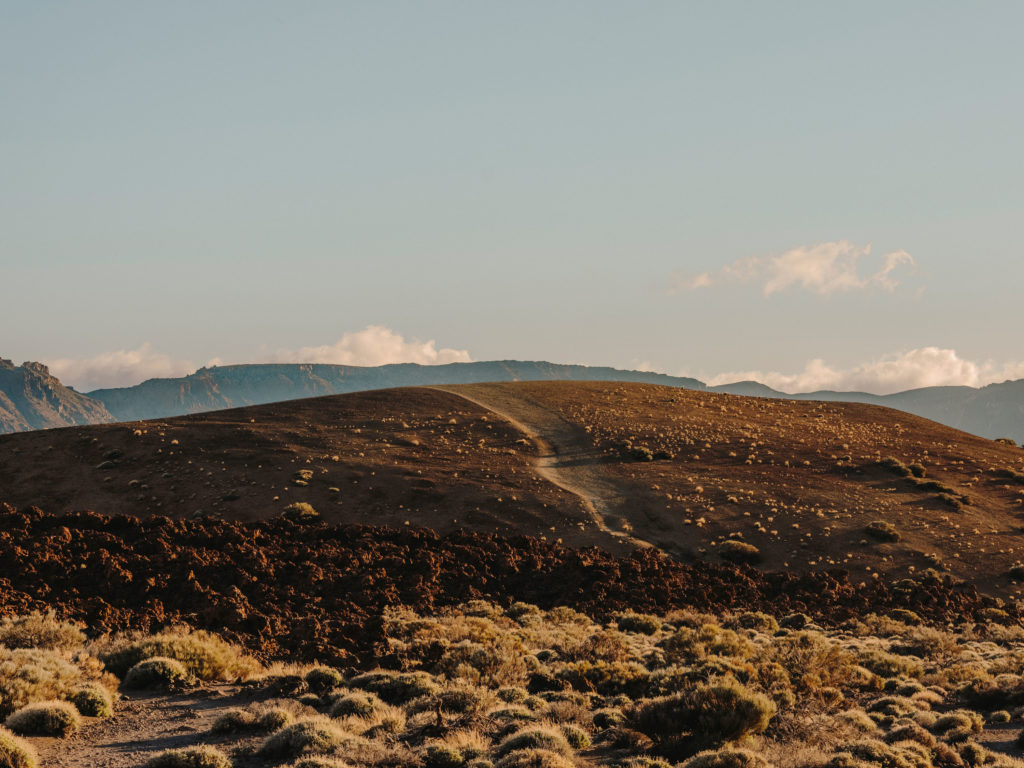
29	675
234	721
395	687
739	552
205	655
45	718
441	755
889	664
190	757
323	679
607	678
92	700
356	704
535	737
812	661
158	672
726	758
881	530
493	663
454	700
40	630
15	752
534	758
311	735
641	623
707	716
688	644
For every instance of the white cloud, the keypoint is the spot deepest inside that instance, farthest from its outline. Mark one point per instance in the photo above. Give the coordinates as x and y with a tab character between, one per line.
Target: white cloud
924	367
374	345
121	368
823	268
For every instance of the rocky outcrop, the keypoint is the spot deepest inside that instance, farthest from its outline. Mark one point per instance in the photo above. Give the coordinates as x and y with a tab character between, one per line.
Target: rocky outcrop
30	398
318	591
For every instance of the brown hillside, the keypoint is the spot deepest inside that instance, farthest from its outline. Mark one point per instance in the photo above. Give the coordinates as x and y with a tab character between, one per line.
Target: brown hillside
800	481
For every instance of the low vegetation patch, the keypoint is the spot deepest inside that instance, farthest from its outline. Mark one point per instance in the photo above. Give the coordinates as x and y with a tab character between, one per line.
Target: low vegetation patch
158	672
191	757
16	752
47	718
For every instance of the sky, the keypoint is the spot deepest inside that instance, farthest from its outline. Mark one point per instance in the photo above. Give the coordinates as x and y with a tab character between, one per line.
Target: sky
816	195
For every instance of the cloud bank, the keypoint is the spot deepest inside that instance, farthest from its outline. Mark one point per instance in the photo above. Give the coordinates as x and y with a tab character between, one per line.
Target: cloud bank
120	368
823	268
374	345
924	367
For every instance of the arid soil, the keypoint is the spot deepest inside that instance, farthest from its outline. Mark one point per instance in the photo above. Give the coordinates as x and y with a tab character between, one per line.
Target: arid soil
317	592
800	481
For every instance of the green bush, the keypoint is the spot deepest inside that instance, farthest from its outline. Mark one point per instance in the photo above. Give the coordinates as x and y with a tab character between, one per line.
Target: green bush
190	757
158	672
15	752
92	700
46	718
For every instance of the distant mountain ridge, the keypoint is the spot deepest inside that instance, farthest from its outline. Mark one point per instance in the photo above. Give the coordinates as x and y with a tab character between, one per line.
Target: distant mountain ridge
30	398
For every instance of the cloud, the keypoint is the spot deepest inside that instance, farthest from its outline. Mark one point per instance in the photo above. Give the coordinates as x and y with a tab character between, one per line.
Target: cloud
823	268
924	367
121	368
374	345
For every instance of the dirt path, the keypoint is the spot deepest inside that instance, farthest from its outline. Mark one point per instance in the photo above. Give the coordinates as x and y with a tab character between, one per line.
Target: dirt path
567	458
142	726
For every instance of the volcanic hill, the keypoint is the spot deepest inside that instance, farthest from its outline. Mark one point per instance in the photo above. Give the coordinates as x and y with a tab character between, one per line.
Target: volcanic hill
807	485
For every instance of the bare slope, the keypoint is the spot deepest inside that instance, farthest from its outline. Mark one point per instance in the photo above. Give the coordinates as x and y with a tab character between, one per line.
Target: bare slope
800	481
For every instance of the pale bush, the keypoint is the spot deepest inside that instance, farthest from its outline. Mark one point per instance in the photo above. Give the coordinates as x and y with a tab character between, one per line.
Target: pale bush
92	700
537	737
205	655
40	630
15	752
316	735
726	758
45	718
190	757
28	675
158	672
534	758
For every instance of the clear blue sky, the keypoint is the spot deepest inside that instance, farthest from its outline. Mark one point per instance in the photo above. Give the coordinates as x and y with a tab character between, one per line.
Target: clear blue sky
537	180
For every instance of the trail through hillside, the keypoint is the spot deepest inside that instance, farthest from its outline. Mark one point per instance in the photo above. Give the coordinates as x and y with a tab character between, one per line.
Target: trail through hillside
142	725
566	457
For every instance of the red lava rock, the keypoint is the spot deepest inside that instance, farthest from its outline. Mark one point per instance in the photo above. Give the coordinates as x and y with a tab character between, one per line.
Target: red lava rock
317	592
